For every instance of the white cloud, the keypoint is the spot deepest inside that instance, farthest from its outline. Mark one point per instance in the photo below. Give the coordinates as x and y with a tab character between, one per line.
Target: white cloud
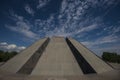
29	10
102	3
42	3
11	47
3	43
23	27
108	39
86	29
115	29
64	5
58	32
100	50
70	20
15	17
95	46
62	31
21	48
102	40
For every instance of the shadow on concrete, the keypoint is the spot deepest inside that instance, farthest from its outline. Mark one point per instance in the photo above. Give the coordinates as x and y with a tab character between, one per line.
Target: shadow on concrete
84	65
31	63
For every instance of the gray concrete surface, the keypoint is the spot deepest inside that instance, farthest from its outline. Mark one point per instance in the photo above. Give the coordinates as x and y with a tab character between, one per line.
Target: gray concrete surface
57	60
96	63
111	75
1	63
115	65
57	63
14	64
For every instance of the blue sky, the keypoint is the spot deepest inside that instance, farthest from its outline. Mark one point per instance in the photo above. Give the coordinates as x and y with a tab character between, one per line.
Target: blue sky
95	23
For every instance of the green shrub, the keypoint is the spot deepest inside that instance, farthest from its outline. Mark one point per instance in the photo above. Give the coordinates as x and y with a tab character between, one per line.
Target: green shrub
4	56
111	57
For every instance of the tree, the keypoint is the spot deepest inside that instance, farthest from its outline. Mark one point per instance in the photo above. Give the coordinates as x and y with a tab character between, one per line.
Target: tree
111	57
4	56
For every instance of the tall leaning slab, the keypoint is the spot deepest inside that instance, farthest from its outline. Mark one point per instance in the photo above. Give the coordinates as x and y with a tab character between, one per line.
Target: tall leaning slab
97	64
14	64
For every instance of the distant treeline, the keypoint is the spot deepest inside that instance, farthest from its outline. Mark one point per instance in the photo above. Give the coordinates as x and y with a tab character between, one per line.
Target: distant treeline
106	56
4	56
111	57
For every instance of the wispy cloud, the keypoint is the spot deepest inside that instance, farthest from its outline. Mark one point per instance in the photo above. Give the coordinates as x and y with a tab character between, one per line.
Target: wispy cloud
99	50
109	39
73	19
22	26
102	40
29	10
87	29
11	47
42	3
70	21
115	29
